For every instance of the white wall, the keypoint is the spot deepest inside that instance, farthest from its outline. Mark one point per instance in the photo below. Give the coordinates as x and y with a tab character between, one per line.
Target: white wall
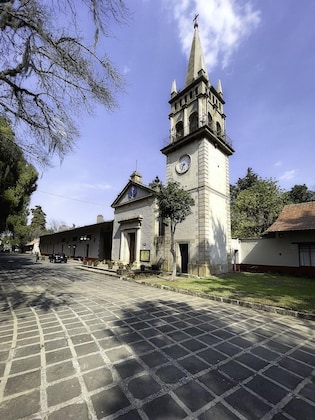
279	251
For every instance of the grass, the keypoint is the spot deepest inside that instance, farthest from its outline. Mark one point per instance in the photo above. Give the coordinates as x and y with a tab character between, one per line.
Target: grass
268	289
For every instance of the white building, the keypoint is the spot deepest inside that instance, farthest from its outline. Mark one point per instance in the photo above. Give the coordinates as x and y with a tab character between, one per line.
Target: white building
288	245
86	242
136	226
197	157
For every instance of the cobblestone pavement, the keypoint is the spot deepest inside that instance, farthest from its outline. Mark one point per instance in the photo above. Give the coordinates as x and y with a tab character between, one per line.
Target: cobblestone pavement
79	345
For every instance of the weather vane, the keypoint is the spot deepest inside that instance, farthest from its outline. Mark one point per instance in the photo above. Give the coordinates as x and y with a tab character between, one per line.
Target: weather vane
195	20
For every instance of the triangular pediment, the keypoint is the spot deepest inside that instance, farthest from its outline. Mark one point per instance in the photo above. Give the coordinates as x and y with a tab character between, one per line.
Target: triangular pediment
132	192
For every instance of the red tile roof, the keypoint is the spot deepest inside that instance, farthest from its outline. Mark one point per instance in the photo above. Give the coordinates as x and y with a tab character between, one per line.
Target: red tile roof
295	217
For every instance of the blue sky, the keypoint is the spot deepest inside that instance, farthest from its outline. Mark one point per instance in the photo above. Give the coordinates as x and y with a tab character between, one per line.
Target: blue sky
263	53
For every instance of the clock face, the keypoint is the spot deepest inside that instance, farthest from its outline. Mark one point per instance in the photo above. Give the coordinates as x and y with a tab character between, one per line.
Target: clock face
132	192
183	164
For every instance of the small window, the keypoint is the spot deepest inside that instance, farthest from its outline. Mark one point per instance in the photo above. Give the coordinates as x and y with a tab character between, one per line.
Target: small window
190	95
196	90
307	255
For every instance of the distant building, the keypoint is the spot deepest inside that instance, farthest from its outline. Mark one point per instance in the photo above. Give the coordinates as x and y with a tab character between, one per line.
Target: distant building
92	241
288	245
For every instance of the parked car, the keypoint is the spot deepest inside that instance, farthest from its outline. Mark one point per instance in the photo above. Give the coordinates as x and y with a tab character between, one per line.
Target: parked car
58	257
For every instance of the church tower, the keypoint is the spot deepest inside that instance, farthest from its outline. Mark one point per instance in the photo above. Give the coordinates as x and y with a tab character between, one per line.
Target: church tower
198	158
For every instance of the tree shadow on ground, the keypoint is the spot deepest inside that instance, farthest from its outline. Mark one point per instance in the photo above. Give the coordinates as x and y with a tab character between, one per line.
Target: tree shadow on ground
177	346
24	286
45	300
11	262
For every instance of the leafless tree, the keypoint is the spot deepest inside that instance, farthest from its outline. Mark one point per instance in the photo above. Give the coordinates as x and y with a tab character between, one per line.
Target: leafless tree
52	69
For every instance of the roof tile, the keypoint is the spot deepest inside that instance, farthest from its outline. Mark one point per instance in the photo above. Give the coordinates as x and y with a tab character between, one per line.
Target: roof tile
295	217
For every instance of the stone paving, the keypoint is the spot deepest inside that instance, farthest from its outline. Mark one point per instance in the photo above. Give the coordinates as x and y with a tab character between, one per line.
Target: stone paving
80	345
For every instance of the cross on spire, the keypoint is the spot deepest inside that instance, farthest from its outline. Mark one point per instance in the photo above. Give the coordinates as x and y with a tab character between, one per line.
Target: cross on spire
195	20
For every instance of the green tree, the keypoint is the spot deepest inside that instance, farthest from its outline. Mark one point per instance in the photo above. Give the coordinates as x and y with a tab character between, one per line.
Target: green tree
20	231
255	207
51	70
300	194
248	181
17	179
38	222
174	205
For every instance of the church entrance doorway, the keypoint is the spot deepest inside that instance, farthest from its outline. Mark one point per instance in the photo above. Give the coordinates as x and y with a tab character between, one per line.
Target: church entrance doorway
184	257
132	243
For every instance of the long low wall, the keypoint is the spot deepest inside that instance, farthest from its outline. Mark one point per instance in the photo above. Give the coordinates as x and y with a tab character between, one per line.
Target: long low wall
279	254
268	251
292	271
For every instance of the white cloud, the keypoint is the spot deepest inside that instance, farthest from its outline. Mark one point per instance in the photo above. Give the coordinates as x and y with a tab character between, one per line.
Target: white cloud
223	25
126	69
68	192
102	187
287	175
277	164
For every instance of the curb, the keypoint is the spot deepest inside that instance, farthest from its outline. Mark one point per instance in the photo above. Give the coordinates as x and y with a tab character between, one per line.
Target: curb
99	270
256	306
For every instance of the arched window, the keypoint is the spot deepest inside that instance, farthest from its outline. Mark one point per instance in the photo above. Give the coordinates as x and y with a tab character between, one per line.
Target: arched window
193	122
219	130
179	129
210	121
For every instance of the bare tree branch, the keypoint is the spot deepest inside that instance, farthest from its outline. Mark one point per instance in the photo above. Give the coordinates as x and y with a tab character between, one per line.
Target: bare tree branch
50	74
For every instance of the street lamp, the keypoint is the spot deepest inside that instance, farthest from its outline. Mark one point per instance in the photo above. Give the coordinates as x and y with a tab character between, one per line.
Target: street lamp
85	238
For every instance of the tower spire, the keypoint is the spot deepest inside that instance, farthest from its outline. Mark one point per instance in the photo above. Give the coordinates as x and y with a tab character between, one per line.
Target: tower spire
219	88
173	88
196	64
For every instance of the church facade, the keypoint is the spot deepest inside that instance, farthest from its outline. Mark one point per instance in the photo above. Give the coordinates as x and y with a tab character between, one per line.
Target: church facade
197	157
136	227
